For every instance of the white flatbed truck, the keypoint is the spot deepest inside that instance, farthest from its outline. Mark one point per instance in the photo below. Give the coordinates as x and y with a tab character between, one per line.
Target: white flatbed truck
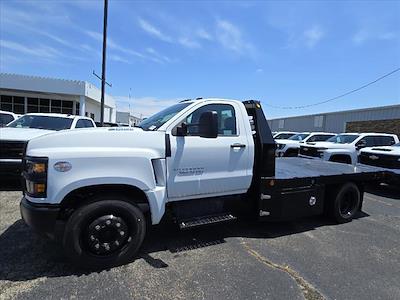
203	161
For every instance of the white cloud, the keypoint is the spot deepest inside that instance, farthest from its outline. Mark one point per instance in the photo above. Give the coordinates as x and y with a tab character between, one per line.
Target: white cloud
313	36
118	58
364	35
202	33
40	51
152	30
155	56
260	70
188	43
144	106
230	37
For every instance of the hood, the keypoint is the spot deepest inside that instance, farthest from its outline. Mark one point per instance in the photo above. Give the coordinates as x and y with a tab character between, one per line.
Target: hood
328	145
286	141
110	139
388	150
21	134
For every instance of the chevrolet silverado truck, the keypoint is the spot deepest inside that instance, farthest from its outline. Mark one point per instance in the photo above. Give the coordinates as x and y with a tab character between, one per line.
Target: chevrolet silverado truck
345	147
291	146
16	134
198	162
384	157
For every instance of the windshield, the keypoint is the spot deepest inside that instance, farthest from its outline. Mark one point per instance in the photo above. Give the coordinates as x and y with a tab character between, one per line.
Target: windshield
157	120
343	138
42	122
299	136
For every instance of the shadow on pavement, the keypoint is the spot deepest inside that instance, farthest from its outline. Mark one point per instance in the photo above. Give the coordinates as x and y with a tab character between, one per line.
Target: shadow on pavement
26	256
388	191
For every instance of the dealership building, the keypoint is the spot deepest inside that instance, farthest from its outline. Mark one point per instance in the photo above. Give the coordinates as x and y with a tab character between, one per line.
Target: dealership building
32	94
376	119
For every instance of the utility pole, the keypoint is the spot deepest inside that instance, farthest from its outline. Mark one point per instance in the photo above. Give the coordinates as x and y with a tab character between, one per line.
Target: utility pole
103	65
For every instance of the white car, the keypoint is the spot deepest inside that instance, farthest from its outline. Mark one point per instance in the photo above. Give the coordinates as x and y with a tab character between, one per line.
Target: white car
16	134
345	147
291	146
283	135
6	117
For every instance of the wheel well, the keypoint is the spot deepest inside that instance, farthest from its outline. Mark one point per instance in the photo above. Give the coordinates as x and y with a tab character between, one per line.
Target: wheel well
86	194
342	158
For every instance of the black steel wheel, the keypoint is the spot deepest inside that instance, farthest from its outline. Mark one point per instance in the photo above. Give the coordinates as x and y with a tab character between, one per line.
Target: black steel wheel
104	233
346	203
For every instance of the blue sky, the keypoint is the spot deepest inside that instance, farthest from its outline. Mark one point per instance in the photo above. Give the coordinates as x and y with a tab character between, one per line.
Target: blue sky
283	53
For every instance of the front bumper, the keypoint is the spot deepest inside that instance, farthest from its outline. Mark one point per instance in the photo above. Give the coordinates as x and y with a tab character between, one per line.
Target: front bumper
40	217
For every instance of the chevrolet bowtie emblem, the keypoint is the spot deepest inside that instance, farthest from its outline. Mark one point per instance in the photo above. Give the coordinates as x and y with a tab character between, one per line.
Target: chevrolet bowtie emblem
374	157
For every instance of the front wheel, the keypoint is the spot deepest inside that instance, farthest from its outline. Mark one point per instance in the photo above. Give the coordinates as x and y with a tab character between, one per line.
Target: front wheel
104	233
345	203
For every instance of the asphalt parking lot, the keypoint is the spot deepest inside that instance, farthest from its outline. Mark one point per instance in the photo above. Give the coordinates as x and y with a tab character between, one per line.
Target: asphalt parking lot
310	258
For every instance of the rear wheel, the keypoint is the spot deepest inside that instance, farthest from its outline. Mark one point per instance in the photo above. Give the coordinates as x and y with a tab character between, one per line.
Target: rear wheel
345	203
104	233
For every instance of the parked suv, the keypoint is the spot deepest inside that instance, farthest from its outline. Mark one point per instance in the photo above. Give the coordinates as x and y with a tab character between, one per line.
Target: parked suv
291	146
16	134
345	147
6	117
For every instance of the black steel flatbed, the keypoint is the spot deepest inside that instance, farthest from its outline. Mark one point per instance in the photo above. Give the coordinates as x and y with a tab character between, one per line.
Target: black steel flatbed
297	171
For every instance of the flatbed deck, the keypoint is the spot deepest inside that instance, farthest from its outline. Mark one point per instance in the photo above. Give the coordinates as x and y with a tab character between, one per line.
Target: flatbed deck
297	167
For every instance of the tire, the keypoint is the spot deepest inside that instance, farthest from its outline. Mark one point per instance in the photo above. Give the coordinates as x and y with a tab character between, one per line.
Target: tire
345	203
104	233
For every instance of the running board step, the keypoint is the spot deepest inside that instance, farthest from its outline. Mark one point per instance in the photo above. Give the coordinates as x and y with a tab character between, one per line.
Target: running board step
206	220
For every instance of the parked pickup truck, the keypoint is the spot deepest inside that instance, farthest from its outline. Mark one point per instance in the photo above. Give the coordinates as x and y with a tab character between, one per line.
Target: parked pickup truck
199	161
16	134
344	148
383	157
291	146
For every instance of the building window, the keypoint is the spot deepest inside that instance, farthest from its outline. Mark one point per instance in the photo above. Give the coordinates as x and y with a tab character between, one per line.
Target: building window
66	107
77	108
281	124
33	105
19	105
44	105
318	121
6	103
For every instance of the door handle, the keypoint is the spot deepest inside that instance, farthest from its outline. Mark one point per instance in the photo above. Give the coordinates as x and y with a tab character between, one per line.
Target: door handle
237	145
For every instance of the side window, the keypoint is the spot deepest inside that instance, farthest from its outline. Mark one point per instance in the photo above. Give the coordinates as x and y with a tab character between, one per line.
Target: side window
368	141
384	141
88	123
83	123
226	119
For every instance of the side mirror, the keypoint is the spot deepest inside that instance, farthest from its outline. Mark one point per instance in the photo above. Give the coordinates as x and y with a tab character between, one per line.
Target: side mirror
361	144
208	124
181	130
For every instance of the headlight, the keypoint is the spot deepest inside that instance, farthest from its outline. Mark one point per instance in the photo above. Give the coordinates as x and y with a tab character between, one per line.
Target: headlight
280	146
35	176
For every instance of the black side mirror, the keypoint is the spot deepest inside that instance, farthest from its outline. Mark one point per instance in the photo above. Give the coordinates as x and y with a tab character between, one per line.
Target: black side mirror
208	124
181	130
361	144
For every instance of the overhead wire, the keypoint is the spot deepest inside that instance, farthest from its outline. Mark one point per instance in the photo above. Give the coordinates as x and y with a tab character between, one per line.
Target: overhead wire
334	98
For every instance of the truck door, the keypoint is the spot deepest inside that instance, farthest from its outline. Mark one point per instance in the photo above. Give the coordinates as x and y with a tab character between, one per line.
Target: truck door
200	167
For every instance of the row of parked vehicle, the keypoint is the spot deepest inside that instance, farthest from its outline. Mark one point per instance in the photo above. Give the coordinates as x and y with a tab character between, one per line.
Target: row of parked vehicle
375	149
